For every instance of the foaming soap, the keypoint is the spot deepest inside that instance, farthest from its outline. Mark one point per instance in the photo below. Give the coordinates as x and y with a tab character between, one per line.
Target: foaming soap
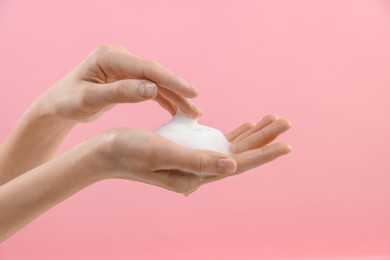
187	132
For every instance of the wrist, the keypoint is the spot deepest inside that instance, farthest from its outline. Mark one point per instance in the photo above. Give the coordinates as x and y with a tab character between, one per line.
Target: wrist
42	112
32	142
103	156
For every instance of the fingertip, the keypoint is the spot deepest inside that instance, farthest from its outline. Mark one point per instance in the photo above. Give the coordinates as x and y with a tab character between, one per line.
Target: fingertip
286	124
271	117
197	112
192	110
196	115
194	92
285	148
200	114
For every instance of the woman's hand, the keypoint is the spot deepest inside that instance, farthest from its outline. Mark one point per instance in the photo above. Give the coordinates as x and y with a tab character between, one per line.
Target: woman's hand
112	75
147	157
251	148
108	76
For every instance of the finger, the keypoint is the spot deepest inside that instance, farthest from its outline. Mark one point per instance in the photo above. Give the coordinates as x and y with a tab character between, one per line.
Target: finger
166	104
239	131
247	161
183	104
123	91
205	163
118	64
262	137
200	162
268	119
254	158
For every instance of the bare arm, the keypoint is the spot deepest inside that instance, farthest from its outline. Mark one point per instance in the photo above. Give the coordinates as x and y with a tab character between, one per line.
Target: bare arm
26	197
32	142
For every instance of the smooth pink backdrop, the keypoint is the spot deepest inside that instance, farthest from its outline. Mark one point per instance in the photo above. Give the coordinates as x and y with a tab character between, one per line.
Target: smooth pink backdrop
325	65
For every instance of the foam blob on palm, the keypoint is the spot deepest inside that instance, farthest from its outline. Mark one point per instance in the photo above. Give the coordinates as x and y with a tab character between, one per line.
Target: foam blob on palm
187	132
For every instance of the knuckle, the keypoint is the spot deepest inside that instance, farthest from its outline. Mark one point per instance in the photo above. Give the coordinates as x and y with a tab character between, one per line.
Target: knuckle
262	136
101	52
199	164
263	155
120	90
103	48
148	69
121	48
117	45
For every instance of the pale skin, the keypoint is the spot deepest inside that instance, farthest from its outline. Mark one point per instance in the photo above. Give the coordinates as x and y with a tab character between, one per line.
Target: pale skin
31	182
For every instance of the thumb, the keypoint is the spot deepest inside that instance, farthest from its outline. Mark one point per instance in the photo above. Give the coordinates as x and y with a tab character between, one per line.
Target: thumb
204	162
124	91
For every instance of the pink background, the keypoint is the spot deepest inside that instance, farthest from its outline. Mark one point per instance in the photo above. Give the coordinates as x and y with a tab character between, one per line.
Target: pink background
325	65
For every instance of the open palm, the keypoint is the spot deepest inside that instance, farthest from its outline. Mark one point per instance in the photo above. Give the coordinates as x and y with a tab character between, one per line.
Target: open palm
251	147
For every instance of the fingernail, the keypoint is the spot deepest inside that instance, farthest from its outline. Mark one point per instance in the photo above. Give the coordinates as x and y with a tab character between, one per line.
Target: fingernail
147	90
226	166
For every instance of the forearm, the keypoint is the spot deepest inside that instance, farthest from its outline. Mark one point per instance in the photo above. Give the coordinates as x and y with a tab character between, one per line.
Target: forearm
31	194
32	142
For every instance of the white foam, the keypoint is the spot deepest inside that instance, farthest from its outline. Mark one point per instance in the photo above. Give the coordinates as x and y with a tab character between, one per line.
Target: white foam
189	133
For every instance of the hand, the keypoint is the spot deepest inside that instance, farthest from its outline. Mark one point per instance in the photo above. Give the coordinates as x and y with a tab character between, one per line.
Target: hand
108	76
250	144
147	157
113	75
